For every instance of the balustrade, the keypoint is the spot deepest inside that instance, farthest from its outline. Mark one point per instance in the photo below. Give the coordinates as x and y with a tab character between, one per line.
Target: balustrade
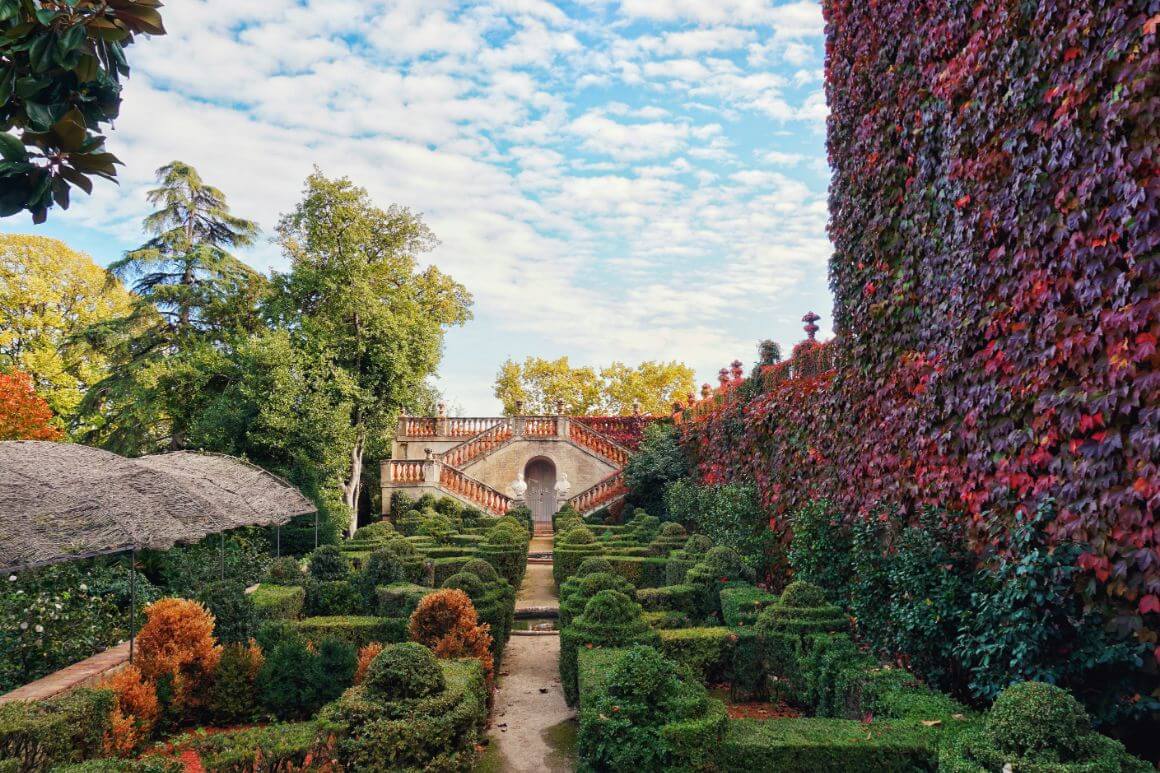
481	444
417	426
406	471
600	494
540	426
597	443
469	488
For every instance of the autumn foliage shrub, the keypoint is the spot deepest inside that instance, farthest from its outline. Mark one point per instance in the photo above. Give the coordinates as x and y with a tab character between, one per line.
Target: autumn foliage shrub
134	714
366	654
447	622
176	649
24	415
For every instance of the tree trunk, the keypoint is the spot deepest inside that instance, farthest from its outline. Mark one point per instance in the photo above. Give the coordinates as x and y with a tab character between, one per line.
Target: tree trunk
352	487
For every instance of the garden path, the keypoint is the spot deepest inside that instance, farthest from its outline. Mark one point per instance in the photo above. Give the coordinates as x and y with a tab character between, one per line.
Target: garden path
532	728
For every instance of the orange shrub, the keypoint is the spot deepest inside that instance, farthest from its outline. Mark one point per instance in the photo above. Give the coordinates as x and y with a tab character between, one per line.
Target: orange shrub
134	714
177	644
365	656
446	622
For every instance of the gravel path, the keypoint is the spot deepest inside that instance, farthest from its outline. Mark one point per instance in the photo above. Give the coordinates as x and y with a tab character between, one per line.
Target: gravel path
532	728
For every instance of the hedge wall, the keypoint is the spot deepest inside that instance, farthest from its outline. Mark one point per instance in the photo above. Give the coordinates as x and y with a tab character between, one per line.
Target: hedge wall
997	301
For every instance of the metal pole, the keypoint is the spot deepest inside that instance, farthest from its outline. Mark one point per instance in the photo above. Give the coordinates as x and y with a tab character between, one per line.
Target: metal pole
222	555
278	541
132	599
316	530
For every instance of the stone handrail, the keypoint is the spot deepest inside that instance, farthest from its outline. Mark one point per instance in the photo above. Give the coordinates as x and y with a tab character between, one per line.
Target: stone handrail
404	471
589	438
540	426
467	427
600	494
469	488
417	426
481	444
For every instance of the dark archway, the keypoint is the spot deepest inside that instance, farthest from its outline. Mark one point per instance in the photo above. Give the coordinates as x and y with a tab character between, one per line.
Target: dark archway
540	474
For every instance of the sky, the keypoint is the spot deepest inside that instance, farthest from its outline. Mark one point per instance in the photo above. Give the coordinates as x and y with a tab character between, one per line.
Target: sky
632	180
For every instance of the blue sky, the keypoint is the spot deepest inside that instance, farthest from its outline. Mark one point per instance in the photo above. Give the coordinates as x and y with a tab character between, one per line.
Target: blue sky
632	180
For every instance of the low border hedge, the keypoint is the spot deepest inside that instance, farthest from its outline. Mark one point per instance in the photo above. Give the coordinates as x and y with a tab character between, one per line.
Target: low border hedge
359	630
668	598
813	745
640	571
742	602
278	602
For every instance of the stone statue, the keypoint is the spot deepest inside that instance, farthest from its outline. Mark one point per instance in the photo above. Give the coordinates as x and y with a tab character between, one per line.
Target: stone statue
563	488
519	487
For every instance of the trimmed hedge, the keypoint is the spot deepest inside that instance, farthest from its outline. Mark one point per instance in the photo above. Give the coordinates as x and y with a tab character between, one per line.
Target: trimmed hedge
399	599
354	629
333	597
283	746
674	598
576	592
826	745
438	732
278	602
641	572
610	619
803	610
741	603
448	566
70	728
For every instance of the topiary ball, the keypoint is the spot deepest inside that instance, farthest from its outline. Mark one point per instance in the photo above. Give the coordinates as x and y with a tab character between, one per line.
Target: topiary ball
579	535
698	545
1032	717
404	672
466	582
328	563
803	594
481	569
382	567
672	531
611	608
594	565
504	535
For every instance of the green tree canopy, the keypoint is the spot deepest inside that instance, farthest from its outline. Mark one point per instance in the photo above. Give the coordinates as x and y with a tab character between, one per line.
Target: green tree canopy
617	389
356	302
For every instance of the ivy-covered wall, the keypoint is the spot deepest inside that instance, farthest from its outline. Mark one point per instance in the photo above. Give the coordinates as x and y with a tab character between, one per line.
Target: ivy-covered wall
997	300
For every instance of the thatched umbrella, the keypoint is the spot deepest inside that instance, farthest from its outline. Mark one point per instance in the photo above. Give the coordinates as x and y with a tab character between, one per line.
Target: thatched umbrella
62	502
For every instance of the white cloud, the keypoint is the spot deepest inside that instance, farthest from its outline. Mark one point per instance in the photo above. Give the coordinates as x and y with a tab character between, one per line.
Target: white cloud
583	176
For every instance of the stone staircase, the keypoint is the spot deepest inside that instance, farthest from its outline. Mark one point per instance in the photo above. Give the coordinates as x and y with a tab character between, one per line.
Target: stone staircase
446	471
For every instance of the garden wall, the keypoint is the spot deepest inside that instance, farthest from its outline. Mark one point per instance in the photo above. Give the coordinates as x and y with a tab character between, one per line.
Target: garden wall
997	301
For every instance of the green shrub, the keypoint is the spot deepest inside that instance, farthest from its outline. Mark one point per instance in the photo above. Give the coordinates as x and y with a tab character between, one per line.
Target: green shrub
328	563
705	652
610	619
471	516
802	610
285	571
659	460
449	507
404	672
434	733
379	530
291	681
280	747
827	666
333	597
732	516
642	572
830	745
675	598
481	569
593	565
60	730
338	659
400	503
663	621
741	603
571	550
233	698
442	568
278	602
353	629
576	593
382	567
644	716
153	764
438	527
672	536
235	619
507	551
719	567
271	633
400	599
408	523
820	550
1035	726
426	502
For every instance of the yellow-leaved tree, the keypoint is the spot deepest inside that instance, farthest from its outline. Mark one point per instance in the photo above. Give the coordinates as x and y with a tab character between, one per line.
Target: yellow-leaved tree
612	391
49	294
